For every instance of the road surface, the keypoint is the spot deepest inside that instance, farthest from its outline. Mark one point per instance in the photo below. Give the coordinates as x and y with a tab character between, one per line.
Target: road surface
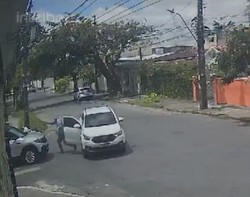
169	155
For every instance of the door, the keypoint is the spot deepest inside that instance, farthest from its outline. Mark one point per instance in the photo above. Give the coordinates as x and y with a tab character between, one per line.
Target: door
16	145
72	134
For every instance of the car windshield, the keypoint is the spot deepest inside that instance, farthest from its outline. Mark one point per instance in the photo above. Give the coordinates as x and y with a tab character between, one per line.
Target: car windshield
84	89
17	132
100	119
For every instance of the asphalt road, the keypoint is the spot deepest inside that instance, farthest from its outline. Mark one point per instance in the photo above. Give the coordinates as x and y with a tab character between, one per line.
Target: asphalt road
169	155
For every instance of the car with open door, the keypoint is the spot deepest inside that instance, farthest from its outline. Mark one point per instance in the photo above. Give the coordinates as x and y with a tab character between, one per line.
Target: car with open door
97	130
30	146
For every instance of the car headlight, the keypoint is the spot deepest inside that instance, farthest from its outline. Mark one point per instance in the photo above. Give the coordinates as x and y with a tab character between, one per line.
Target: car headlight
86	137
38	141
118	133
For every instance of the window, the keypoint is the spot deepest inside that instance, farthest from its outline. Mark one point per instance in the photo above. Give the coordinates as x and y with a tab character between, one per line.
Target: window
159	51
100	119
69	122
15	134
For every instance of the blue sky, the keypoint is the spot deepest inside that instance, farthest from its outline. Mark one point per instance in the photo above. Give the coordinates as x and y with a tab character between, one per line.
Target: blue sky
62	6
219	10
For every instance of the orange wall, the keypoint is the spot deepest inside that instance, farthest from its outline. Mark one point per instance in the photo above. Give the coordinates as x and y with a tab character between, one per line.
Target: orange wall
236	93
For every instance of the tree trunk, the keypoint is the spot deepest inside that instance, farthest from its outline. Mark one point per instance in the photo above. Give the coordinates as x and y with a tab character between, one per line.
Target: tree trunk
15	95
6	187
96	81
75	82
114	84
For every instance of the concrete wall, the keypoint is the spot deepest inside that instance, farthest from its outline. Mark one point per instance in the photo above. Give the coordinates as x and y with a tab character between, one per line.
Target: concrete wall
236	93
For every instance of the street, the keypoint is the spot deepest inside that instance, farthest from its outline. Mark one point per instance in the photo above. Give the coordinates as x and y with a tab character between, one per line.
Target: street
168	154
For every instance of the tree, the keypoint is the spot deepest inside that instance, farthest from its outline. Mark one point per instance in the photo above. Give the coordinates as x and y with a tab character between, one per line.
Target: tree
235	60
77	43
247	10
6	188
58	54
110	40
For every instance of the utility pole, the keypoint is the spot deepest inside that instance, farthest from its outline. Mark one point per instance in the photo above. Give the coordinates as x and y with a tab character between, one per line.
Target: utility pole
138	75
201	58
96	69
25	47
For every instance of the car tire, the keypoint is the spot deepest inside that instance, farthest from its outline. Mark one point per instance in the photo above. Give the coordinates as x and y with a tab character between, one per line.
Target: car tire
30	155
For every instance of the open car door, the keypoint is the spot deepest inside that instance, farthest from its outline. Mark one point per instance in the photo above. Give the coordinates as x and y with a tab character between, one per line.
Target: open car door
72	130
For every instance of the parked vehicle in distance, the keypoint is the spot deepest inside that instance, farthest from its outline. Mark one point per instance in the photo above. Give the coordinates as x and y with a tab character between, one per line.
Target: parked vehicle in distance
31	89
99	128
30	146
83	93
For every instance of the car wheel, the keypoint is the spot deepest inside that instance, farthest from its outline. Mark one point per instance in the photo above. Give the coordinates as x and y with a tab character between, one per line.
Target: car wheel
30	155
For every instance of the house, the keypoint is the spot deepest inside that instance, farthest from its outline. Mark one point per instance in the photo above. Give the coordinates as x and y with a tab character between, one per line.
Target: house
216	40
128	65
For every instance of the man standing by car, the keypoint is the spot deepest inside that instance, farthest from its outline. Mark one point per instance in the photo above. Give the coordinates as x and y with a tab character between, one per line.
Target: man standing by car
61	136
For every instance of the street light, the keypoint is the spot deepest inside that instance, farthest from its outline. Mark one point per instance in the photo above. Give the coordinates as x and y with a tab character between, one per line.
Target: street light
178	14
201	54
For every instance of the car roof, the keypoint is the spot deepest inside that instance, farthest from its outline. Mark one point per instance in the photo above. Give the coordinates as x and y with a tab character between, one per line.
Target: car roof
96	110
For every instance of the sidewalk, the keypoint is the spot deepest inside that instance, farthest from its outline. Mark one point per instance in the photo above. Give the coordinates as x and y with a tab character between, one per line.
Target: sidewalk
23	192
185	106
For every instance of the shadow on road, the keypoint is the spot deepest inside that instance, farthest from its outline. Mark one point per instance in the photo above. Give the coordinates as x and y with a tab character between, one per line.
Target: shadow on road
17	162
103	155
111	155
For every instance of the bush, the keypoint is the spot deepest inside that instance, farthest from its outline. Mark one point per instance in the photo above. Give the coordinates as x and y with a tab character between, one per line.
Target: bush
171	79
152	98
62	84
35	122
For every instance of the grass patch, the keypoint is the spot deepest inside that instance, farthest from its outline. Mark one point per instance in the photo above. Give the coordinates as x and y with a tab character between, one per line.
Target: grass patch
142	103
35	122
152	100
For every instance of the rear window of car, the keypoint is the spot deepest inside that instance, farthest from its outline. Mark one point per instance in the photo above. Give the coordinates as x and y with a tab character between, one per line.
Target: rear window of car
84	89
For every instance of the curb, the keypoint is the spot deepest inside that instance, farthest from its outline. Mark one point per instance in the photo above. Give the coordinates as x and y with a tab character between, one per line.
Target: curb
50	105
219	116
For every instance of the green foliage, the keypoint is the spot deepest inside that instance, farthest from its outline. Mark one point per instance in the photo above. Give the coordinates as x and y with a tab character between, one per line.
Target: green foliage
235	60
17	80
152	98
68	48
62	84
171	79
87	73
35	122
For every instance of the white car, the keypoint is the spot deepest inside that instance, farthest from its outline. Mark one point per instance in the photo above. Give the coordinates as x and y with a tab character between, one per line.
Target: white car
30	146
83	93
97	130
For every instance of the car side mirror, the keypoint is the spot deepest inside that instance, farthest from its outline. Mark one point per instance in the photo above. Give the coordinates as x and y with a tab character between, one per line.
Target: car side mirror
121	119
77	126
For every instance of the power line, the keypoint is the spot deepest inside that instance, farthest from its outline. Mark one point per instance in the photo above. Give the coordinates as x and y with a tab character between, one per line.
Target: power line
63	20
82	4
88	6
114	8
125	10
146	6
164	24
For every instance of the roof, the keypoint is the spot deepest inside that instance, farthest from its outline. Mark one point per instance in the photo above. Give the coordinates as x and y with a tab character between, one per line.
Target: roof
179	55
97	110
148	57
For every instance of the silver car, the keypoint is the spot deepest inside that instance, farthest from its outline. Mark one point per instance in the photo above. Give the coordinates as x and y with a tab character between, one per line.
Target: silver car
30	146
83	93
